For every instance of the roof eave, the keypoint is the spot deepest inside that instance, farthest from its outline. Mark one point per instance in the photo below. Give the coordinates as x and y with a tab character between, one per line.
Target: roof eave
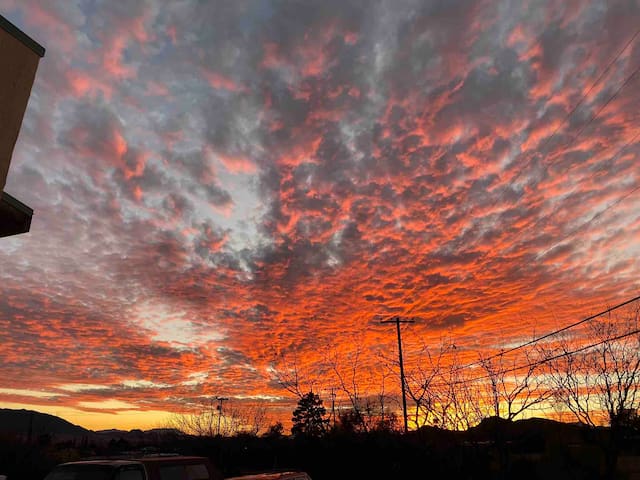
15	216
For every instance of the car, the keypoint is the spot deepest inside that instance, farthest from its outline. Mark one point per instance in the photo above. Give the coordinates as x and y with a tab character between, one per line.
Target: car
152	467
274	476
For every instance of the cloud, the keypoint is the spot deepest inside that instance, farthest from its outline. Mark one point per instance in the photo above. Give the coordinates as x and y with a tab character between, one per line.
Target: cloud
214	182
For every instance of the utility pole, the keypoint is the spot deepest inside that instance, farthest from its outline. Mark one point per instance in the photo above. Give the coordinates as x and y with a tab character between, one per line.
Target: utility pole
333	406
219	408
397	321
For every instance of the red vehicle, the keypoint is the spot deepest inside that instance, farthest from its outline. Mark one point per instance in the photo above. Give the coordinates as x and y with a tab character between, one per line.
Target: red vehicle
169	467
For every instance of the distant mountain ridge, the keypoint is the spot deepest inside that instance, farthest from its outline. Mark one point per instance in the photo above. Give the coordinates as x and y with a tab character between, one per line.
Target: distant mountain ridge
30	423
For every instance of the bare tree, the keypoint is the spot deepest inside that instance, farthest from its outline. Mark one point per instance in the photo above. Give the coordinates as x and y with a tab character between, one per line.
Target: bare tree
462	395
442	391
367	412
598	380
346	373
387	419
420	379
618	366
209	418
289	372
200	420
514	386
572	380
248	418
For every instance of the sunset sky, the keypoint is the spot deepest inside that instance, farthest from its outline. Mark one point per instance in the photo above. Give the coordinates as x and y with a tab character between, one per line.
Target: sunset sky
216	183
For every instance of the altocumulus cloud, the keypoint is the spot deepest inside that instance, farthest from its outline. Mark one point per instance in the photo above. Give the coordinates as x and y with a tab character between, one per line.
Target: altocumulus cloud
274	176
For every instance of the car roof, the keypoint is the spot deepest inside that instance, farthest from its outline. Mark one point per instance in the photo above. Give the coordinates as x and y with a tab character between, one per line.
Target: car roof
273	476
105	462
136	460
171	459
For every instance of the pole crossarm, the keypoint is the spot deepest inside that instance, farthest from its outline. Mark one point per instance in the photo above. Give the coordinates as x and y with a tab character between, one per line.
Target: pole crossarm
219	408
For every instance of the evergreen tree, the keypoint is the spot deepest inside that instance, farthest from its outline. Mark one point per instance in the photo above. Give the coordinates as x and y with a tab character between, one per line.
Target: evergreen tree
309	416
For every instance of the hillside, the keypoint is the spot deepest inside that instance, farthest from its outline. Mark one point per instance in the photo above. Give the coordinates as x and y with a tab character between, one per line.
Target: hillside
21	422
27	423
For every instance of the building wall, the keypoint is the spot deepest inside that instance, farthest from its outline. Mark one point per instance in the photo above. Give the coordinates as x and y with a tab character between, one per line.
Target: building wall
18	64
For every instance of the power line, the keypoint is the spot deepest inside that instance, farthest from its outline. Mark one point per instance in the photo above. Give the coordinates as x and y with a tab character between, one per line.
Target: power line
526	344
548	335
584	97
369	385
568	327
557	209
592	219
542	361
599	214
575	107
595	82
538	362
594	116
609	100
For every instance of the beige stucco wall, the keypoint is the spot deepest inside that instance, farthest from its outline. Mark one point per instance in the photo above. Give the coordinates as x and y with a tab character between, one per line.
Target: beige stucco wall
18	64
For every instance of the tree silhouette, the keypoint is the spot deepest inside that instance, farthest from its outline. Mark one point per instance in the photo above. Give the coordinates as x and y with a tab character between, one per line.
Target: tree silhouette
512	388
274	431
368	411
600	382
292	374
309	416
208	420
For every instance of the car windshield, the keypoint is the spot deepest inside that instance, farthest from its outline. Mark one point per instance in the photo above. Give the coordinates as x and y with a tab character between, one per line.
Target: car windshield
81	472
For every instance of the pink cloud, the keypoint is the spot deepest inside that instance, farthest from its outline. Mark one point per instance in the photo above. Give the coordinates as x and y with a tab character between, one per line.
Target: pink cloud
219	81
112	58
237	164
83	83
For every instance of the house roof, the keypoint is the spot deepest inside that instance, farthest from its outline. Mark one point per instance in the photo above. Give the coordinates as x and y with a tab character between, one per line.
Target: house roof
15	216
10	28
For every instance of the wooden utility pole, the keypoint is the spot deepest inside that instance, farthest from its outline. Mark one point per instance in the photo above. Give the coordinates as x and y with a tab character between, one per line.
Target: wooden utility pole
219	408
333	406
397	321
